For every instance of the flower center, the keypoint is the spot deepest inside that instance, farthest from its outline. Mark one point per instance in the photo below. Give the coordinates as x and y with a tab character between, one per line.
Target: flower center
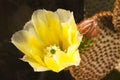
51	50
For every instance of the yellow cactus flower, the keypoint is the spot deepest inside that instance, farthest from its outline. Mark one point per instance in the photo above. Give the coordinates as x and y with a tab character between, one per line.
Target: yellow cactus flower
50	40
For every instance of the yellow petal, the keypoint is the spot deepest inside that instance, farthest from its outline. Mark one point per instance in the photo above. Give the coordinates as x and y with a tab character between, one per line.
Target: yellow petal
76	58
73	53
40	24
69	28
36	66
54	26
52	65
71	49
30	28
62	58
28	44
64	15
47	24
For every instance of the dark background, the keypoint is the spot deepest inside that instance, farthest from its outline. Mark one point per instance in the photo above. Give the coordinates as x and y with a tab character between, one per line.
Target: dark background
13	15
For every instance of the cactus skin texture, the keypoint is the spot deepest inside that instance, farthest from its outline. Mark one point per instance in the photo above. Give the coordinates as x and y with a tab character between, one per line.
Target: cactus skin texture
116	15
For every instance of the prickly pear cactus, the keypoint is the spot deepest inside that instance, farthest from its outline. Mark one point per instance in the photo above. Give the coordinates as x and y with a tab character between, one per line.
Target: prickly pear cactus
104	54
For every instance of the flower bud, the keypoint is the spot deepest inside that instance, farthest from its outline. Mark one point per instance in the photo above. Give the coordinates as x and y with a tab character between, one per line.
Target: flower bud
88	28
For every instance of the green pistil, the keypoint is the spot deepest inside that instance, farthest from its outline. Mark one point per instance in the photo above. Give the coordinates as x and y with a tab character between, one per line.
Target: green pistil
52	51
